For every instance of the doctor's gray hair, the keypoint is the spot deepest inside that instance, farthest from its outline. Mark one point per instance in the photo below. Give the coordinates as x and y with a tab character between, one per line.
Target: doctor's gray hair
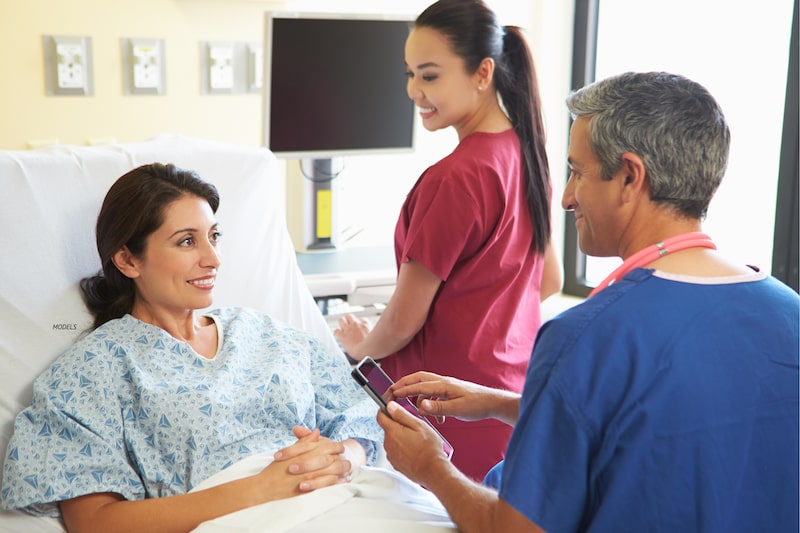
671	122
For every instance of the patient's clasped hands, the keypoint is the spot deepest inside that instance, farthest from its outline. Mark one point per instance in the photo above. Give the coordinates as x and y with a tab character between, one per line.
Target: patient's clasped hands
311	463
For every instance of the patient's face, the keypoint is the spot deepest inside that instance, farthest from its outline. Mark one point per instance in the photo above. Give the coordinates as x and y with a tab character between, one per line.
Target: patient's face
438	82
179	266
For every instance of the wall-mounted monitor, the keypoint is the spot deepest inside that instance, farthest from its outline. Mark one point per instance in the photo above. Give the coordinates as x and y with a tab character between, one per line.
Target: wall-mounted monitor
334	85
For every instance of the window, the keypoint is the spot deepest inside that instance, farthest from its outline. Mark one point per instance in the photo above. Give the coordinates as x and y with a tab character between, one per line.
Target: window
740	52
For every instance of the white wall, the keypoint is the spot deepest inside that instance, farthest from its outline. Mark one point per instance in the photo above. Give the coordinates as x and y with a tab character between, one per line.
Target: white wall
742	60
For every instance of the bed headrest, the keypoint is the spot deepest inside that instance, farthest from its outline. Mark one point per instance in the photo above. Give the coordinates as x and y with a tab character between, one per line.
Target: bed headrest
51	198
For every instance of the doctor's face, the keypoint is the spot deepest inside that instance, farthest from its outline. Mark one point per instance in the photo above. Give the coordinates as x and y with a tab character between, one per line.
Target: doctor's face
594	200
178	268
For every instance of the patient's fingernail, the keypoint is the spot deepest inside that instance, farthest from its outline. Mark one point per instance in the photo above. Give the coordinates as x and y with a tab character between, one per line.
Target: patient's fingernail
305	485
294	469
278	455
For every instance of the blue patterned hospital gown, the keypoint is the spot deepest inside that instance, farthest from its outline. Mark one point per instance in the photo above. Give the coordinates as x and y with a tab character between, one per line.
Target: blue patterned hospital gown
130	409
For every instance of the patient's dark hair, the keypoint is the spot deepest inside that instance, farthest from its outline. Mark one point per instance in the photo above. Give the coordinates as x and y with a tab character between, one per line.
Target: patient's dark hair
475	33
132	210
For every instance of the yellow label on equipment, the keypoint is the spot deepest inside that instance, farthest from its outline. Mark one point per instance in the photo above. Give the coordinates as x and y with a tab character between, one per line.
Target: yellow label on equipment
324	199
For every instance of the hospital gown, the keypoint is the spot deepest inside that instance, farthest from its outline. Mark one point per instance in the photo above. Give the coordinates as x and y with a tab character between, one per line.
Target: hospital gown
131	410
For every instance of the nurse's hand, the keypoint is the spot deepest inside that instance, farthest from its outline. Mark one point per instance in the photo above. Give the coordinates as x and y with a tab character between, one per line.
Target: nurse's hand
351	332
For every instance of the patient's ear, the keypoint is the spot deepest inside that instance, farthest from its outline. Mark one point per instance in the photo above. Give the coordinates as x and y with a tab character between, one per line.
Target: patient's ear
126	262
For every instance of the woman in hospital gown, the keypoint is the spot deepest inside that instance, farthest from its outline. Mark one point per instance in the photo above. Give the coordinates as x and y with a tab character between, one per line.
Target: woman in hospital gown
159	396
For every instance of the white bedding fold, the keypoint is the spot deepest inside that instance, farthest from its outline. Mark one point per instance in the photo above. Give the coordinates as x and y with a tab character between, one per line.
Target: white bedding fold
375	500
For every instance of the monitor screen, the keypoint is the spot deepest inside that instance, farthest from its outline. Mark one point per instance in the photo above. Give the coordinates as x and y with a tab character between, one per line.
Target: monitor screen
335	85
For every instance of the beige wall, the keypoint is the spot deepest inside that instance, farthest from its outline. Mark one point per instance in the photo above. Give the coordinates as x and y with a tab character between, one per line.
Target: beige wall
29	115
374	187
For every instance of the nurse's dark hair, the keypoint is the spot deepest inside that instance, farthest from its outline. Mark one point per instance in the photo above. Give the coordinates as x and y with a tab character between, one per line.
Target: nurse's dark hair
132	210
474	34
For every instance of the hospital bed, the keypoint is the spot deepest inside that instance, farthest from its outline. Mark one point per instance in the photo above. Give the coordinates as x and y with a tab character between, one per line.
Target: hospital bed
49	201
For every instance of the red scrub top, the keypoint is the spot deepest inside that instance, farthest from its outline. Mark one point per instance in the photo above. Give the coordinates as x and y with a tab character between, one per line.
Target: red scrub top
467	221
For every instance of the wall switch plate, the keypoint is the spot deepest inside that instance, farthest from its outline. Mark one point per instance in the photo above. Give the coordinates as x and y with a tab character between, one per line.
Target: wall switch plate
255	67
68	65
143	66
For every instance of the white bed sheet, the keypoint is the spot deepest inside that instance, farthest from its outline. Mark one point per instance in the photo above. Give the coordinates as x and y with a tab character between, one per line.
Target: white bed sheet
376	500
50	200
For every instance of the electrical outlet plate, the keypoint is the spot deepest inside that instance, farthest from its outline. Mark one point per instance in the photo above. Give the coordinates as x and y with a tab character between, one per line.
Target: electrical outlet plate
143	66
255	67
232	67
68	65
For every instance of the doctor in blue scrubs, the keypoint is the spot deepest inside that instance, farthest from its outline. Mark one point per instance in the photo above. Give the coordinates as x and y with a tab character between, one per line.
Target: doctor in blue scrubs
668	400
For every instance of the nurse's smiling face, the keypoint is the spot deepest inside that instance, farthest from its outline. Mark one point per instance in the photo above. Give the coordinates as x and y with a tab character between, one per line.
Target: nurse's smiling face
438	82
178	269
